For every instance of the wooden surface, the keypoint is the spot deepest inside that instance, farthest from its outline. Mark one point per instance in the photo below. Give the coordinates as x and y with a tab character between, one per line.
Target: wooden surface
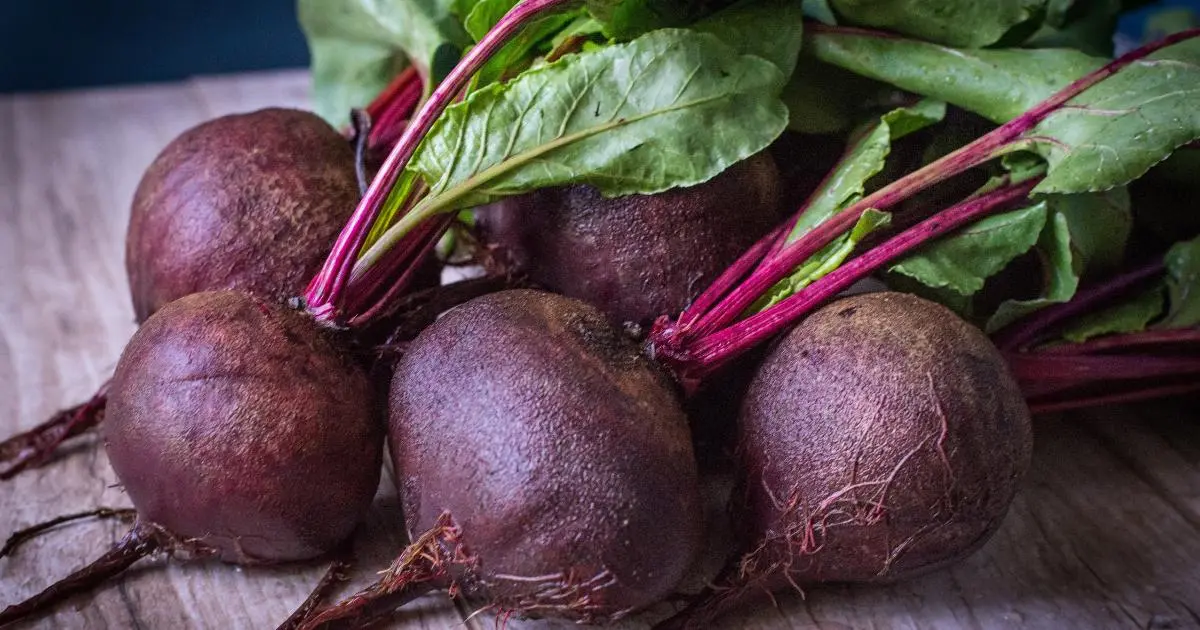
1105	534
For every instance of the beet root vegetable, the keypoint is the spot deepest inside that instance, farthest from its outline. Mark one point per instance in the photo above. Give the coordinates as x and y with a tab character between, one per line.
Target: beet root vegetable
639	256
241	432
250	202
542	460
883	437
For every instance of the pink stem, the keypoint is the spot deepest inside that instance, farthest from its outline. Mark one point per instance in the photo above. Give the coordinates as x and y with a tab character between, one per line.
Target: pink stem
1126	341
1028	331
713	351
1080	370
325	291
437	227
1139	394
399	84
776	240
981	150
392	121
729	278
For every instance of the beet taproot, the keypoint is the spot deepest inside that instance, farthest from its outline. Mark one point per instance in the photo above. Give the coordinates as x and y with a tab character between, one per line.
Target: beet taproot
639	256
881	438
240	431
535	439
251	202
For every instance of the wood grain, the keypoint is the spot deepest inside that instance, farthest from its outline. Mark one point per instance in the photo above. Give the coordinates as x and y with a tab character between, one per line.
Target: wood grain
1105	534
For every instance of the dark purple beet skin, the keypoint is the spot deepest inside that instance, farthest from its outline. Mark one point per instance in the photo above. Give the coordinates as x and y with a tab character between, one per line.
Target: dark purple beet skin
251	202
882	437
559	451
237	423
640	256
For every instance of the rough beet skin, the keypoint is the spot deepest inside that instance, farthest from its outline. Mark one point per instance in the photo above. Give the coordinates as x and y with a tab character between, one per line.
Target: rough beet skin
237	423
640	256
251	202
558	451
881	438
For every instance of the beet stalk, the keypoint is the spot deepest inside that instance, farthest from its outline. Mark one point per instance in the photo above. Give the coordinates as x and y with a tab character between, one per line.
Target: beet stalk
425	444
1110	369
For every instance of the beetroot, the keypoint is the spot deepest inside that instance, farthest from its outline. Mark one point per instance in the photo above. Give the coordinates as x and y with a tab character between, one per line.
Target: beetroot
240	431
883	437
543	459
250	202
639	256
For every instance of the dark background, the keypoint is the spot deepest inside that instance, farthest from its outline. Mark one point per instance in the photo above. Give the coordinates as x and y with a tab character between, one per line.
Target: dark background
54	44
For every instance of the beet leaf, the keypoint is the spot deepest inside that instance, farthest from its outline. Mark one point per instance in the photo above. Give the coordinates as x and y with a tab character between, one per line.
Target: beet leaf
967	23
358	46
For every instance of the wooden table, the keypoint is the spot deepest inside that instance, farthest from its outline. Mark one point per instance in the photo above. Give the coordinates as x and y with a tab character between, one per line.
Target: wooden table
1105	534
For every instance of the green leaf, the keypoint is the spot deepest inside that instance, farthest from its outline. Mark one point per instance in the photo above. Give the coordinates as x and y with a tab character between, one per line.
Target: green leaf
1061	277
964	260
823	262
864	159
1129	316
517	53
823	98
1183	285
462	8
968	23
359	46
771	29
1100	225
819	10
996	84
626	19
1085	26
1114	132
1085	233
671	108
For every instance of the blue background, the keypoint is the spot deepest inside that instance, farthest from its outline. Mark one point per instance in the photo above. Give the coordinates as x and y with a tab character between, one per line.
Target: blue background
54	44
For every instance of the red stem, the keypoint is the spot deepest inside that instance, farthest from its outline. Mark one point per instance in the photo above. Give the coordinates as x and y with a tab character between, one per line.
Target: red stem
981	150
399	84
1126	341
709	353
325	292
1054	371
1139	394
432	232
1028	331
730	277
390	123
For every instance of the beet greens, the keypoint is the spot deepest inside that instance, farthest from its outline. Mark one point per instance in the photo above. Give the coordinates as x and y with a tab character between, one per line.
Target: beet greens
503	139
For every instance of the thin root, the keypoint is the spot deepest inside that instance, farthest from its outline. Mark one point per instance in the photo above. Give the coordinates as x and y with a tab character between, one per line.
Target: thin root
334	575
22	536
142	540
36	446
425	565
